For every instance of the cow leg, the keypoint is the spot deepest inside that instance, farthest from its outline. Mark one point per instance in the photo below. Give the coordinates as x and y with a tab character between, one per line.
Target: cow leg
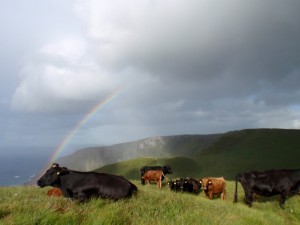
211	195
223	195
283	197
249	198
80	196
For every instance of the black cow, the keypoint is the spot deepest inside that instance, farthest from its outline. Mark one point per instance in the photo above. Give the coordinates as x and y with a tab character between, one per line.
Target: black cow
283	182
174	185
195	184
84	185
190	185
165	169
185	185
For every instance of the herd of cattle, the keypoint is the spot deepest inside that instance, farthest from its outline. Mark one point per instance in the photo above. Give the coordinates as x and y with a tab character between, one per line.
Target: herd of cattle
84	185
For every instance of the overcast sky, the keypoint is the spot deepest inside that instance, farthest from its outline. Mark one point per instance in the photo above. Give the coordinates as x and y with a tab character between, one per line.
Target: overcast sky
175	67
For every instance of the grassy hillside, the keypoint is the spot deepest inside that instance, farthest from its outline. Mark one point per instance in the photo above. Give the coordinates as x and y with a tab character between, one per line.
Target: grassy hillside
258	149
31	205
181	167
159	147
236	151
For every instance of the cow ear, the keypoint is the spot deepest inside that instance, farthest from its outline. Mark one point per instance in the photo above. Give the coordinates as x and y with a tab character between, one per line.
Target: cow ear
54	165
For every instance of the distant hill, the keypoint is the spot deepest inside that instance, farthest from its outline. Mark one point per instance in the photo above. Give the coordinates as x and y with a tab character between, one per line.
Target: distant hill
158	147
235	151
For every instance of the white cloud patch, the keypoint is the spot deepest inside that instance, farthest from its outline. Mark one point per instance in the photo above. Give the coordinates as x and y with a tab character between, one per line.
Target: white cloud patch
61	76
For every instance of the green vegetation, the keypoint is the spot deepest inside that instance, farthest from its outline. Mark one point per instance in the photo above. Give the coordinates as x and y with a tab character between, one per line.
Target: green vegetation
257	149
130	169
232	152
31	205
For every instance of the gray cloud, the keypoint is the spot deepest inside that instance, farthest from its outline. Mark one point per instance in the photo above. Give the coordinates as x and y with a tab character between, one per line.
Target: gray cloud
182	67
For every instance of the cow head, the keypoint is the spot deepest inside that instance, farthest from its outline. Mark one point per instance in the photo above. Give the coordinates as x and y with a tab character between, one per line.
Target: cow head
173	185
167	169
205	183
52	176
184	184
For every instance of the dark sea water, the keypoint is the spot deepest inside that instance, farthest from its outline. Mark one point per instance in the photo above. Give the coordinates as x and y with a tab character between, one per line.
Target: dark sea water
18	164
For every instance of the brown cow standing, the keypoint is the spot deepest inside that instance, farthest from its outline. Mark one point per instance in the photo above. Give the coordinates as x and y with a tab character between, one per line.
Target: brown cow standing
153	175
214	186
54	192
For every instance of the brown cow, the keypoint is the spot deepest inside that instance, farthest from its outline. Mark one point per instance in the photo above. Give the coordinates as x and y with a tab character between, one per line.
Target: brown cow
54	192
153	175
214	186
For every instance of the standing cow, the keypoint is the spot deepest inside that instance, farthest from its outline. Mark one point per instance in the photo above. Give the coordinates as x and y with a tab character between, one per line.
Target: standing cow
283	182
84	185
153	175
214	186
165	169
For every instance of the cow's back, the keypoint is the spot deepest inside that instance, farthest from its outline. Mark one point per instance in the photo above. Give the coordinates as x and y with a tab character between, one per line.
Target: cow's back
153	175
99	185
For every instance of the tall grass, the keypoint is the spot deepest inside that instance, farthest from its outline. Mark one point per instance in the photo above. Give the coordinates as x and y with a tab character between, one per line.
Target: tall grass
31	205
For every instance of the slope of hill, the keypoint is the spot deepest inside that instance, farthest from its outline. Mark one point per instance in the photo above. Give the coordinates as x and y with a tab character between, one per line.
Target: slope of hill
235	151
181	166
249	149
159	147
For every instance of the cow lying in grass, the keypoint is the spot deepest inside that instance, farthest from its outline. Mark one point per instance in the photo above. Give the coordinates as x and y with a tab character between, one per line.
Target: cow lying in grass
190	185
56	192
84	185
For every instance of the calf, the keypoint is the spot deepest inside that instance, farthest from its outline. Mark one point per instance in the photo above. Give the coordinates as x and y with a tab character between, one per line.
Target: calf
214	186
153	175
165	169
56	192
84	185
283	182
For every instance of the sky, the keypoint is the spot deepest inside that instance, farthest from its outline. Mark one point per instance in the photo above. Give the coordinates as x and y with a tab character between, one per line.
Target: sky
172	66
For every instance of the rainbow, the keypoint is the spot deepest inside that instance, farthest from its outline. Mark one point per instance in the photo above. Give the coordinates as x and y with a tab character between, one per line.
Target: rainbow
83	121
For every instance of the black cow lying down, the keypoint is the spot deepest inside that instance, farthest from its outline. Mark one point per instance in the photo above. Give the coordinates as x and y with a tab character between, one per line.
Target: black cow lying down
269	183
84	185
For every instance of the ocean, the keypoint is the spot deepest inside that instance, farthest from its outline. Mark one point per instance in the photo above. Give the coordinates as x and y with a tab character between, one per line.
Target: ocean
19	164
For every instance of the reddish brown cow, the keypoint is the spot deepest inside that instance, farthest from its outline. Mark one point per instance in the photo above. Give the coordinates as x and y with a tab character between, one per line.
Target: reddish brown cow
153	175
214	186
54	192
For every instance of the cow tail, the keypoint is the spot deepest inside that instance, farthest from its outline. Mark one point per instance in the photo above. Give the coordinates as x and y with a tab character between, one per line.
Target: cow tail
236	191
164	176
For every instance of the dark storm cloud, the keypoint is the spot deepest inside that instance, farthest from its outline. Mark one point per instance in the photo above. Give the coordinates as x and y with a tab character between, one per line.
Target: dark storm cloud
183	66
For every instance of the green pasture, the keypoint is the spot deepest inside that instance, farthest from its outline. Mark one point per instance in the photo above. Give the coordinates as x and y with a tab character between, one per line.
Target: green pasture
27	205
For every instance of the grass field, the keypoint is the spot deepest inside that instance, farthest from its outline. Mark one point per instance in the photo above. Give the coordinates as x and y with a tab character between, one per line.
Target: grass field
30	205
